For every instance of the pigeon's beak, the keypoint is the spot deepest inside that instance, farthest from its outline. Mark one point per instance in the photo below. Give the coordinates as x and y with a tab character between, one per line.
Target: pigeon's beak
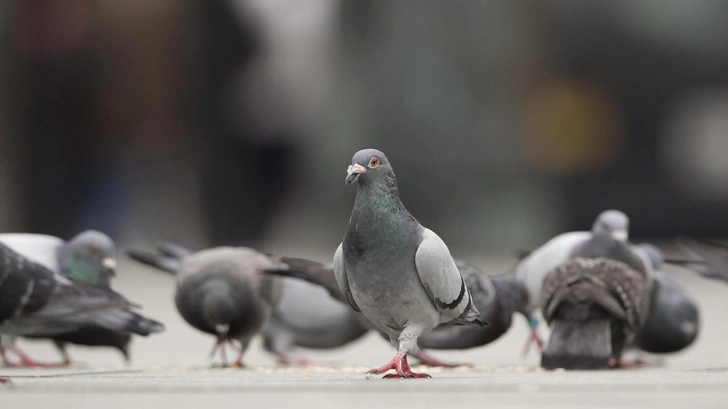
621	235
222	330
353	172
109	264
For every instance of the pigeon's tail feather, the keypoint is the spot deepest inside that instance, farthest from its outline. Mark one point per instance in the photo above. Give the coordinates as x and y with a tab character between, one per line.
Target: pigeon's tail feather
313	272
162	262
173	250
578	345
127	321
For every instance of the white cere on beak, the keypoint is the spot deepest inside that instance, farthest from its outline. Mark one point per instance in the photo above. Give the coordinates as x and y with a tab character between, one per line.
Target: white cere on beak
356	169
621	235
109	262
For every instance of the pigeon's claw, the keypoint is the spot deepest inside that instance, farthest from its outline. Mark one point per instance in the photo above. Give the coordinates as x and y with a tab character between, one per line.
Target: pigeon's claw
400	365
28	362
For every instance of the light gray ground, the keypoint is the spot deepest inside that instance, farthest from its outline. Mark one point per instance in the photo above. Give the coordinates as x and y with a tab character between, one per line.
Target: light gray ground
172	369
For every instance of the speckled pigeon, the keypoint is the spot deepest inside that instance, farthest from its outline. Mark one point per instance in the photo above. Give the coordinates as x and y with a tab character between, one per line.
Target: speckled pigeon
595	302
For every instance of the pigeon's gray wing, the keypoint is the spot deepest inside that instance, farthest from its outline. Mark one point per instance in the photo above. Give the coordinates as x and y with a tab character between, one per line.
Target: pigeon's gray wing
159	261
714	255
39	248
307	317
341	278
532	270
440	276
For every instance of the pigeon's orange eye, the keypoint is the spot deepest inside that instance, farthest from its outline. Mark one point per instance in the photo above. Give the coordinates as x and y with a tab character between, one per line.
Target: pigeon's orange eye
373	162
93	250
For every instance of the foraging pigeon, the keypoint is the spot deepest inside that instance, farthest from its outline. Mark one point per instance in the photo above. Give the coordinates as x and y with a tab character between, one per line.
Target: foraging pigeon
89	257
672	322
35	301
595	302
305	316
399	274
220	291
714	263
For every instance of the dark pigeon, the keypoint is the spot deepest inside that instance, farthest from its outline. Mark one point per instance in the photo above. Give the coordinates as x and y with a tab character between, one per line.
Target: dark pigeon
89	257
35	301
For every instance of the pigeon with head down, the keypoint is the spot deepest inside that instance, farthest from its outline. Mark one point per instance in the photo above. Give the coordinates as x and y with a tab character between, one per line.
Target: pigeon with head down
399	274
597	300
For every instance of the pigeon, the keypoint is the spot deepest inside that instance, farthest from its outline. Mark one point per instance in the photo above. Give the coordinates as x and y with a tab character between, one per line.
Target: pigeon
672	322
305	316
89	257
36	301
396	272
221	291
596	301
497	298
714	262
532	269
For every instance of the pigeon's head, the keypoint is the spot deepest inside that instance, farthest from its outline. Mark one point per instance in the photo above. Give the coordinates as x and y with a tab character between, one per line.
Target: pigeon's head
654	253
512	295
368	165
89	257
613	223
218	307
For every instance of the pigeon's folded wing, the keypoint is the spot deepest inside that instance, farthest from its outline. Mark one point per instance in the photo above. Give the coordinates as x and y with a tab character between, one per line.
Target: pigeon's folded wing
438	273
341	279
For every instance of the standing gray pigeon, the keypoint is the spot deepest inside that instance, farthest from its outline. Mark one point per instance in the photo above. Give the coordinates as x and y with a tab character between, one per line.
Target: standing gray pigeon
305	316
221	291
595	302
399	274
89	257
35	301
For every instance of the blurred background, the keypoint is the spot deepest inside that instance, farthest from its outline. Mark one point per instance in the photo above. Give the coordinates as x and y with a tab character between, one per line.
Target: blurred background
212	122
232	121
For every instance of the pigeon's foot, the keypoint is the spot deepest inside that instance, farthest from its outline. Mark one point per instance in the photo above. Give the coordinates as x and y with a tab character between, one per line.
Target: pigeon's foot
533	338
626	364
28	362
296	359
429	360
6	381
400	365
